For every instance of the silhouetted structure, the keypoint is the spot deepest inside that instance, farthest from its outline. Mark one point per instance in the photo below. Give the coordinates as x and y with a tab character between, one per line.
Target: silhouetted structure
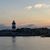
13	30
13	25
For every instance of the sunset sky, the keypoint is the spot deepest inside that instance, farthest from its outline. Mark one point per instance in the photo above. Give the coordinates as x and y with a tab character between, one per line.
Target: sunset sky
25	12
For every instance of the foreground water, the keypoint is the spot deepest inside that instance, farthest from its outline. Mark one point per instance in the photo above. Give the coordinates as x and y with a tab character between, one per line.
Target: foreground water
25	43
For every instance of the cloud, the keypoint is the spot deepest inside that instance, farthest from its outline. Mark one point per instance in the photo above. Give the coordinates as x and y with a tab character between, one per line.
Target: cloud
28	7
41	6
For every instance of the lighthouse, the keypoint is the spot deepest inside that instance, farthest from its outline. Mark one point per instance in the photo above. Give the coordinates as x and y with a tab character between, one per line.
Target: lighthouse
13	30
13	25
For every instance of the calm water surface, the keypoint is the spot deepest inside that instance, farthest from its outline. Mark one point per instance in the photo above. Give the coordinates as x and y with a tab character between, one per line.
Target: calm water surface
25	43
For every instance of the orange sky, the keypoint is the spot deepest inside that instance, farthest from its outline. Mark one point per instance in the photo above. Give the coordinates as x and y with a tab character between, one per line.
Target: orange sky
25	12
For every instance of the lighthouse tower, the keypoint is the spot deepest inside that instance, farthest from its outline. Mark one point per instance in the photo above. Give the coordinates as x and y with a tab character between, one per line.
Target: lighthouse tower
13	25
13	30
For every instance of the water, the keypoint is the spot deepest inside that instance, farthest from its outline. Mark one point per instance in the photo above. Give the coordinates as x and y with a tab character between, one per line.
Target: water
25	43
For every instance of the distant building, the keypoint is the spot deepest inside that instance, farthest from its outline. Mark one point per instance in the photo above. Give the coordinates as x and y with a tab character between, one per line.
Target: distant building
13	29
13	25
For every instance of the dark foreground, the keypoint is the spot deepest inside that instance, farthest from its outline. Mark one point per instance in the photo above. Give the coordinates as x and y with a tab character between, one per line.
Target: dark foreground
43	32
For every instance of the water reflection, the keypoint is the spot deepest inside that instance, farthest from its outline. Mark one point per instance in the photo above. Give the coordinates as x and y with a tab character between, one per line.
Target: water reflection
13	43
13	39
24	43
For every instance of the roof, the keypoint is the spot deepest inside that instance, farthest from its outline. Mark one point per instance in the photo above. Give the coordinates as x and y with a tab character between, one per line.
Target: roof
13	22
